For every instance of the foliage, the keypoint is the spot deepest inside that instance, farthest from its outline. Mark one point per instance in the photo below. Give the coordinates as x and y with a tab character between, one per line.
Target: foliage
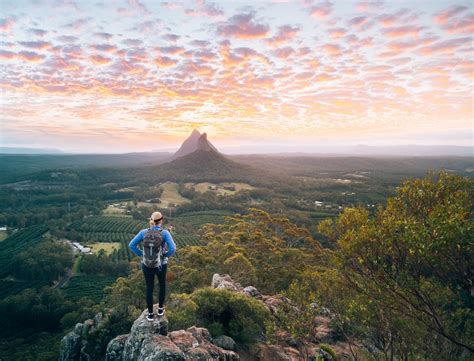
236	315
45	261
181	311
39	309
255	248
404	276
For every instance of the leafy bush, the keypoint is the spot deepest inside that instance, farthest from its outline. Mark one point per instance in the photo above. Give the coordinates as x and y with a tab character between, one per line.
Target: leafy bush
182	311
233	314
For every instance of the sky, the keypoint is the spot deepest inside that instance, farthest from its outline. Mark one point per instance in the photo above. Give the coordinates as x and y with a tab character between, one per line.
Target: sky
128	75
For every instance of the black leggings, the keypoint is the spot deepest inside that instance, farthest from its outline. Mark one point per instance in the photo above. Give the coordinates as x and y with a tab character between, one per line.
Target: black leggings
149	274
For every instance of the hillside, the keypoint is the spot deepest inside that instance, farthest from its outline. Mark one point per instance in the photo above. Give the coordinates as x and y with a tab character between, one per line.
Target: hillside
209	165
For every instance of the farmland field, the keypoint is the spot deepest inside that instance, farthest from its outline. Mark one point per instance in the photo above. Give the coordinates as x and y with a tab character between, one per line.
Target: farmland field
87	286
12	287
16	242
3	235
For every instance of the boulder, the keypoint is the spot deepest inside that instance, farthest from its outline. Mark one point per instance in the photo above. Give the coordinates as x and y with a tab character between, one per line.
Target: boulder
271	353
224	342
225	282
149	340
252	292
115	348
70	347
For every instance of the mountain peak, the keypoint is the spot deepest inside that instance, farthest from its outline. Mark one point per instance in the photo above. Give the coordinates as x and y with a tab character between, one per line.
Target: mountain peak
196	141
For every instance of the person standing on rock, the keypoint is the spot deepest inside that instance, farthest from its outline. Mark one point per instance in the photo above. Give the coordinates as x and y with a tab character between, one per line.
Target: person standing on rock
158	245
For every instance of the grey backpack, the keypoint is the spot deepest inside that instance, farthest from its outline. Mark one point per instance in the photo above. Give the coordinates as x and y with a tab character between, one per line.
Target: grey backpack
153	244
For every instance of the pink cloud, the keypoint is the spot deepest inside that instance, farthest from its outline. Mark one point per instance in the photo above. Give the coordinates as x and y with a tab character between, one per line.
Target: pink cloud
99	59
105	48
172	50
205	9
68	39
105	36
7	55
38	32
336	33
460	26
39	45
243	26
402	31
444	16
285	33
6	25
321	10
30	56
132	42
359	21
164	61
365	6
284	53
447	46
137	6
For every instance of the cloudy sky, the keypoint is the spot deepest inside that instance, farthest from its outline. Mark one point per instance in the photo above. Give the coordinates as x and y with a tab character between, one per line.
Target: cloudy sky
118	76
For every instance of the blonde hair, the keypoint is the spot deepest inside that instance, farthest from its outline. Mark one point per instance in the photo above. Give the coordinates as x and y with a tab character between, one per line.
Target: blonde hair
156	218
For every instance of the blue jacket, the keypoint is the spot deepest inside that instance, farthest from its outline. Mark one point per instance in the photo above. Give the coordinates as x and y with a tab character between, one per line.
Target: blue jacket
166	237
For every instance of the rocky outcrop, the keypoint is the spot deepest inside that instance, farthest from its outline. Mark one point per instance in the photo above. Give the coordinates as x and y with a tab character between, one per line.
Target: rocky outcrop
150	340
287	348
73	345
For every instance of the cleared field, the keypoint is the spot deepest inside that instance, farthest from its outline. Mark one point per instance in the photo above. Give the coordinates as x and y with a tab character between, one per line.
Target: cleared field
171	196
219	188
108	247
3	235
113	210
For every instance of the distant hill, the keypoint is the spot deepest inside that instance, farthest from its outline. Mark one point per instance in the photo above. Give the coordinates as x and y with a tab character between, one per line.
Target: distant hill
194	142
14	150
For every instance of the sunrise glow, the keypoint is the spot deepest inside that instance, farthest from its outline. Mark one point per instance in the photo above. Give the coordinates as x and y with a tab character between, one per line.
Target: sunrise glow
119	76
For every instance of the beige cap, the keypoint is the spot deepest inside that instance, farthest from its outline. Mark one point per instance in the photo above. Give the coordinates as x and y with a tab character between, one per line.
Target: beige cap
156	216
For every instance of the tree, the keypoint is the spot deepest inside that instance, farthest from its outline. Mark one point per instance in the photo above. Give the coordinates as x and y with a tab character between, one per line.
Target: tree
404	276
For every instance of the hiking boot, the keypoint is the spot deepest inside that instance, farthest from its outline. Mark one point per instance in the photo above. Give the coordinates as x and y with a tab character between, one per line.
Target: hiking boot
149	317
161	311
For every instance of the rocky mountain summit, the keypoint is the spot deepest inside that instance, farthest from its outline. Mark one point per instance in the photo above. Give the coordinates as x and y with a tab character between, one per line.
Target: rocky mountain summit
152	341
196	141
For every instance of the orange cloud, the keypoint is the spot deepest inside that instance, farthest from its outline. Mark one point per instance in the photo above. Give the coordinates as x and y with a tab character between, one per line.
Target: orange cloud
30	56
99	59
337	33
7	55
164	61
332	49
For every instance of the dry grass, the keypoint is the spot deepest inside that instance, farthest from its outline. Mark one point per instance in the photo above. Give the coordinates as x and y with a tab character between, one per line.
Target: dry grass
108	247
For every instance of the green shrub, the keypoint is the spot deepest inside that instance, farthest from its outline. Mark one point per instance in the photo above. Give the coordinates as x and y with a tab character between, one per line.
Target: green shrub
328	349
181	311
230	313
